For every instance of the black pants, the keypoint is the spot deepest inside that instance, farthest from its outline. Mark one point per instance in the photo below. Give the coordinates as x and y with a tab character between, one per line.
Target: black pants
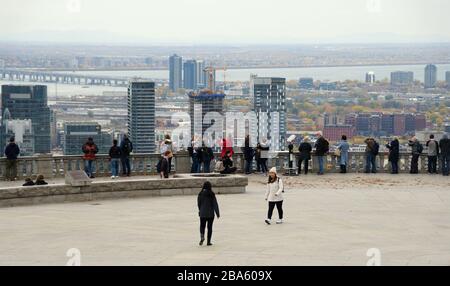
415	164
279	208
305	162
263	163
432	164
394	165
203	222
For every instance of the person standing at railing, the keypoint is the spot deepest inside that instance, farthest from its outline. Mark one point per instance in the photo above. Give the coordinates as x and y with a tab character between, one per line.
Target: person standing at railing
264	155
248	156
322	148
394	154
343	148
416	150
167	145
444	145
433	152
12	151
126	147
305	150
207	154
114	156
372	150
90	150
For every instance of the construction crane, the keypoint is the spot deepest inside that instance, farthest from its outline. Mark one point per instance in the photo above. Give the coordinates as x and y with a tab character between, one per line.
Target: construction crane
211	74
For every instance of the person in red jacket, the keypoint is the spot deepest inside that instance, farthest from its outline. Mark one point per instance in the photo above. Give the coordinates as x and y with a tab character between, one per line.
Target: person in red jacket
89	150
227	146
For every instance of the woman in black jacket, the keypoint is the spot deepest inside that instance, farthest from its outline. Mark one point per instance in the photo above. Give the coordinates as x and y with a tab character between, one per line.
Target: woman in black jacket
394	155
207	206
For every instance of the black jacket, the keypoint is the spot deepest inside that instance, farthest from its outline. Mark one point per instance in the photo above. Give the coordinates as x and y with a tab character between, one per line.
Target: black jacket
394	151
207	205
248	152
12	151
305	150
444	146
115	152
126	147
206	154
322	146
41	182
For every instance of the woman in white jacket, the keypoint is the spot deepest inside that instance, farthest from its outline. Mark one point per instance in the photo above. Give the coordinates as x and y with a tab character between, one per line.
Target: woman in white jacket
274	195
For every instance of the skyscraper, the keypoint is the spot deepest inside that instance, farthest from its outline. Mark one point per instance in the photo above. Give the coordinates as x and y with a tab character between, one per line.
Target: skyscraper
190	74
400	78
430	76
141	115
29	102
370	77
201	74
269	105
175	72
447	78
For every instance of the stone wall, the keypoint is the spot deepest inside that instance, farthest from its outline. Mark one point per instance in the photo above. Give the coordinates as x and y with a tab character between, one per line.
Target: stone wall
130	188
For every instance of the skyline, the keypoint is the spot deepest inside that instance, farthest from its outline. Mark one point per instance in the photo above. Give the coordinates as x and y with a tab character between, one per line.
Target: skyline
199	22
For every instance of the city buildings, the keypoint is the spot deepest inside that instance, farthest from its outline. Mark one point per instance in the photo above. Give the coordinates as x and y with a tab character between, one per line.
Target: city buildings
334	132
175	72
27	102
269	95
306	83
141	115
370	77
77	133
401	78
430	76
384	124
201	74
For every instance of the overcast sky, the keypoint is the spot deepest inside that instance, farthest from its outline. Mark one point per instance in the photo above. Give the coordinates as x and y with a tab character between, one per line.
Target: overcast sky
225	21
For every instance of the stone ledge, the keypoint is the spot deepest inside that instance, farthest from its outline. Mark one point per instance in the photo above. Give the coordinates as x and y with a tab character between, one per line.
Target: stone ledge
130	188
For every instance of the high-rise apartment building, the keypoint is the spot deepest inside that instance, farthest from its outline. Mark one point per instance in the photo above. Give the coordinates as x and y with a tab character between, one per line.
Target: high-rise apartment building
370	77
175	72
201	104
141	115
269	104
190	74
430	76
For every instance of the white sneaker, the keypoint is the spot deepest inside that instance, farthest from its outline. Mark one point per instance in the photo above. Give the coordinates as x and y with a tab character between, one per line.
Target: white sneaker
280	221
113	177
267	221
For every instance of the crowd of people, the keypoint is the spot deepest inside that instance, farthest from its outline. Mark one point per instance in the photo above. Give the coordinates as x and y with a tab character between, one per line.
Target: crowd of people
202	156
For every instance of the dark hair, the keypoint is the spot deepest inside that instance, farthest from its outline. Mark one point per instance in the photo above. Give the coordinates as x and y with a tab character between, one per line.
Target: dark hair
431	136
207	188
12	139
270	181
167	136
344	137
40	178
114	142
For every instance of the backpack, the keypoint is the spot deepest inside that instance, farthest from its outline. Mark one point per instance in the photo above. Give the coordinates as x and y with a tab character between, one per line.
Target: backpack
127	147
376	149
420	148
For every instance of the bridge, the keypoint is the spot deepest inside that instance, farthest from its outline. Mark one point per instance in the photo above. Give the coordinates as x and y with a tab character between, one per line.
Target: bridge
60	77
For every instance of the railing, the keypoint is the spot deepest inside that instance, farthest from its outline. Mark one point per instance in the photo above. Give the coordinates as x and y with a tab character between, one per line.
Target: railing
145	164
